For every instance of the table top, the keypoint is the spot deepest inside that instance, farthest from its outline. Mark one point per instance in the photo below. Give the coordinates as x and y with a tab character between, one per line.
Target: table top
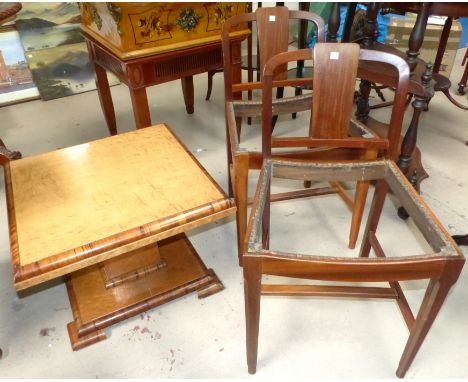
81	205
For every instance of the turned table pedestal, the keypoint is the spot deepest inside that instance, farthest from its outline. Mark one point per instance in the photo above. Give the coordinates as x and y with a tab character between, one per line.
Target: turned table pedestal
110	216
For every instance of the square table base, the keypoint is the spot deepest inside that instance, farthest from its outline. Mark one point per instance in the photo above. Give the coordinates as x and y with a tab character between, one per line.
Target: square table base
96	307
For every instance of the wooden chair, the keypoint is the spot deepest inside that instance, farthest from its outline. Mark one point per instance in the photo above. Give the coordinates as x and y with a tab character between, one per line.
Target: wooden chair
273	38
442	267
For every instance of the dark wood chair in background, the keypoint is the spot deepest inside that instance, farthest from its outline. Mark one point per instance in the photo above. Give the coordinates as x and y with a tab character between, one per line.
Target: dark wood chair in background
425	78
464	79
442	267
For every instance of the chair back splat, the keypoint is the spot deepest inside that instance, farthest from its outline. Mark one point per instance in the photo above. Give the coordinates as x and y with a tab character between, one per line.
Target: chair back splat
335	71
273	35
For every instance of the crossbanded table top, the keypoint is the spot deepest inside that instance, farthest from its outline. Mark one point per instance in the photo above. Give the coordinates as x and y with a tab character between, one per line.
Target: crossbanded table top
68	205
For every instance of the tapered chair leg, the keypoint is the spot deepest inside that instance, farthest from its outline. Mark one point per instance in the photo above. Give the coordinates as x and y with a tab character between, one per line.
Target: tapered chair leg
434	298
362	188
279	94
241	176
266	219
252	285
211	74
229	164
374	215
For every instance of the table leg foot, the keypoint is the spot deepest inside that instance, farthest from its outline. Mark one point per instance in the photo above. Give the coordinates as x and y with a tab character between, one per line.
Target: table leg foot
461	239
215	286
78	342
402	214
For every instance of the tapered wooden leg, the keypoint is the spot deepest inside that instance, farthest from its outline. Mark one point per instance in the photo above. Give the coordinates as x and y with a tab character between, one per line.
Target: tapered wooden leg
229	153
252	287
297	92
211	74
105	98
266	219
362	187
460	239
140	107
358	209
187	89
374	215
279	94
229	165
241	175
434	298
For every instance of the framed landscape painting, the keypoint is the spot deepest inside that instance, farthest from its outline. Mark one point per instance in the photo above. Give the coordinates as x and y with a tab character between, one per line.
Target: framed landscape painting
55	50
16	82
61	71
48	25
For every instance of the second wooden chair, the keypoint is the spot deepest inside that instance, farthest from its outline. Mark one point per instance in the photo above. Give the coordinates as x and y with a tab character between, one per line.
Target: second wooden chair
442	267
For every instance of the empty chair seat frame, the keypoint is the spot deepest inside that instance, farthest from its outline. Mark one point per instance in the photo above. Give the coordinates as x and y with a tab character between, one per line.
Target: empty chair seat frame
442	267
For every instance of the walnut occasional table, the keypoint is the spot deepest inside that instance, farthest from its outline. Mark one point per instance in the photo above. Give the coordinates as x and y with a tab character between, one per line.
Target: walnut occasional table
110	215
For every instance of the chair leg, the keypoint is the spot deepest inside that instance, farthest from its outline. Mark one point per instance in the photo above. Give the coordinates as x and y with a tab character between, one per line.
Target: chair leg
359	203
362	188
374	215
279	94
241	176
266	219
211	73
297	92
229	159
434	298
252	287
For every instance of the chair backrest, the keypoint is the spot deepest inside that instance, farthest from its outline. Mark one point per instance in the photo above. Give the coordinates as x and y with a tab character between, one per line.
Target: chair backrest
272	25
335	71
336	68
